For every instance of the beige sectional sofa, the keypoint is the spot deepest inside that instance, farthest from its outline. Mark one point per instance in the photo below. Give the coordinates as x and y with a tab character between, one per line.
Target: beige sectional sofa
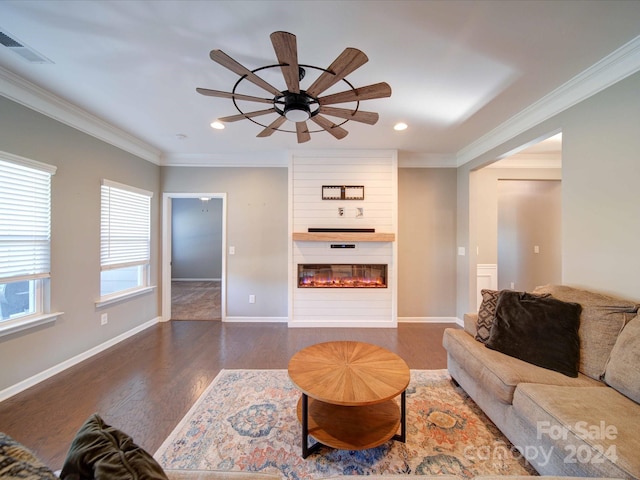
587	425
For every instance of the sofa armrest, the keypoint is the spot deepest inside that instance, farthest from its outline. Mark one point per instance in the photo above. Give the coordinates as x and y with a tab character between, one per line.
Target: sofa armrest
471	324
218	475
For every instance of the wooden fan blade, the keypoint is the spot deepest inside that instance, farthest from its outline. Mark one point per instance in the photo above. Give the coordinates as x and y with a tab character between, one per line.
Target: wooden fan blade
370	118
242	116
347	62
237	96
272	127
303	132
286	49
225	60
377	90
330	127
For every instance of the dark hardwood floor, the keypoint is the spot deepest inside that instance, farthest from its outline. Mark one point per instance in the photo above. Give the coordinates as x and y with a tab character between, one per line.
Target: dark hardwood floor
147	383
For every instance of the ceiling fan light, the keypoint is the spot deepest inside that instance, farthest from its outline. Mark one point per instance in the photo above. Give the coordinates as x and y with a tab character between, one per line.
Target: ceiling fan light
297	114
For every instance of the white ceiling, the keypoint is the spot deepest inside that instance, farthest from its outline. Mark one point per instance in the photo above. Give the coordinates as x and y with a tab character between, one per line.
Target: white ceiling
458	69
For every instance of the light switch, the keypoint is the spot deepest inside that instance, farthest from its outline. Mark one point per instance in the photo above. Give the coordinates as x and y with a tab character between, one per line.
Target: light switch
232	250
461	251
536	249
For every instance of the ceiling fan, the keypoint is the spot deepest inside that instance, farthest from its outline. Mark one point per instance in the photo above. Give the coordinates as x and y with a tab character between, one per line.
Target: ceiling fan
296	104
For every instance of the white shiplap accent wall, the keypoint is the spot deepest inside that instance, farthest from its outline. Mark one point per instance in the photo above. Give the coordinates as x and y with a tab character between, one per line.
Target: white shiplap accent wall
308	172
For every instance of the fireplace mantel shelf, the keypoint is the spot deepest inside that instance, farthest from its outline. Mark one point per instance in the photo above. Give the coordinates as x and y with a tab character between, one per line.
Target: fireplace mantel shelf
343	237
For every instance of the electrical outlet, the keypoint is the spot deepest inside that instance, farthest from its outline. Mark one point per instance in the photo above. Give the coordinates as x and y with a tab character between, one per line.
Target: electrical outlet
252	299
340	211
104	319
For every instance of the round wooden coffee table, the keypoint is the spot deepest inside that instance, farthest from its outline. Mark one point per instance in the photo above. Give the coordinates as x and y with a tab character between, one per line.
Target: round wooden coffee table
348	395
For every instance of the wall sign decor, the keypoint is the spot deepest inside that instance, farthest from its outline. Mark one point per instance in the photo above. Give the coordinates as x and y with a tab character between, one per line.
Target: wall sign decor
343	192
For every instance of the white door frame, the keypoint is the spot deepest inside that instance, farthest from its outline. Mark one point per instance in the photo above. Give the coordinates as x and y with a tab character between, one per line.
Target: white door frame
166	250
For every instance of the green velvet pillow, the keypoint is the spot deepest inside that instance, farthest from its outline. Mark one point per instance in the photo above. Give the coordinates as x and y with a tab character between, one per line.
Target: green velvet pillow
18	462
100	451
539	330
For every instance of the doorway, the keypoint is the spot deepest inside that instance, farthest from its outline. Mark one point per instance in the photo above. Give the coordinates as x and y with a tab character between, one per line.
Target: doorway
194	268
529	240
509	250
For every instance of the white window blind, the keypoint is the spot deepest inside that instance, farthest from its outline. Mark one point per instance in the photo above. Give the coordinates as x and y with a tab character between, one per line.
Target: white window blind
125	226
25	212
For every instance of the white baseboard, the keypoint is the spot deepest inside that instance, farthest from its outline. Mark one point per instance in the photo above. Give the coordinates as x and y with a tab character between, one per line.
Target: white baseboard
50	372
342	324
455	320
229	319
196	279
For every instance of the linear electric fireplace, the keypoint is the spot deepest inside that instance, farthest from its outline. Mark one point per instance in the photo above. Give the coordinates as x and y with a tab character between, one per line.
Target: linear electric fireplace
340	275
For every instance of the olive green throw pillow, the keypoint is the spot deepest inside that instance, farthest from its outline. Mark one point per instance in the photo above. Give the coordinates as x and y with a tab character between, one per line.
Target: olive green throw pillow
542	331
100	451
18	462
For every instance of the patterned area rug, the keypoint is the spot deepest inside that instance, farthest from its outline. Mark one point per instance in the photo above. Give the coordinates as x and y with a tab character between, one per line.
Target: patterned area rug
246	421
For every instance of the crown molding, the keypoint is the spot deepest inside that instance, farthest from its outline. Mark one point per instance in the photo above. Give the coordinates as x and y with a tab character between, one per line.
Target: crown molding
30	95
252	159
616	66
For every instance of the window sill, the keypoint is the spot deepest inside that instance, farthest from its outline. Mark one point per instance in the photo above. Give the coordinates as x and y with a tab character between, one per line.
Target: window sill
120	296
12	326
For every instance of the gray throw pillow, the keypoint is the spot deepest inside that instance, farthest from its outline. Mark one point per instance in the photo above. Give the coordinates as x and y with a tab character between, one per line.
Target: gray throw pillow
623	369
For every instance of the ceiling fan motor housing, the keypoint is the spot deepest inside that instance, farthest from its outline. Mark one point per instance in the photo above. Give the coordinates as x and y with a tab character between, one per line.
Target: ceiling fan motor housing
296	106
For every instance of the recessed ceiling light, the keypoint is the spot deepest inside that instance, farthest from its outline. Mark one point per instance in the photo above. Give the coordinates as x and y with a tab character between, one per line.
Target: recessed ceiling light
400	126
217	125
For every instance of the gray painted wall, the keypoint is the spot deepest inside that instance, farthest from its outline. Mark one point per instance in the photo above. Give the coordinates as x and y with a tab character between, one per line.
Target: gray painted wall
257	228
600	194
426	242
485	205
529	233
600	191
196	238
82	162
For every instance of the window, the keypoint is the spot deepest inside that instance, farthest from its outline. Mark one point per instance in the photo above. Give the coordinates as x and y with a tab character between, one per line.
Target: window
125	240
25	241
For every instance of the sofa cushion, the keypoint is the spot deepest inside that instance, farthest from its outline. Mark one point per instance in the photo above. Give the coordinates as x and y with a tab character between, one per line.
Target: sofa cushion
538	330
623	369
100	451
18	462
498	373
486	314
597	427
601	321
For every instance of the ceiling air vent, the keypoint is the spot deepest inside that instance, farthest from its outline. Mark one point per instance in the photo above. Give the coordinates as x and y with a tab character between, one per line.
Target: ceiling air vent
27	53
